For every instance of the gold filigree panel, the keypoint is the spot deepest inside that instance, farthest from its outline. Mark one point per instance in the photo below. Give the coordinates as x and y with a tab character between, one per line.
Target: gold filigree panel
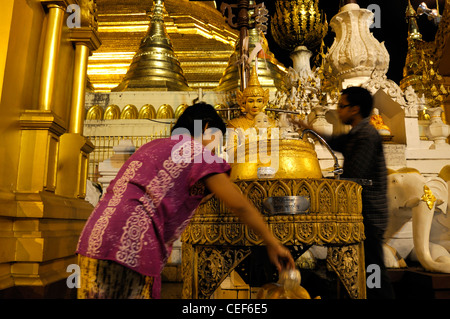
213	265
325	195
334	216
348	263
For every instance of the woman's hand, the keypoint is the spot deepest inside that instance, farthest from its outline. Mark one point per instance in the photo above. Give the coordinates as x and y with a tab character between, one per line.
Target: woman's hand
228	193
280	256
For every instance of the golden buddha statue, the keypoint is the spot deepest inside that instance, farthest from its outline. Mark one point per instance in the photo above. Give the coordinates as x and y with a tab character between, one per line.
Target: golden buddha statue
377	121
252	101
257	150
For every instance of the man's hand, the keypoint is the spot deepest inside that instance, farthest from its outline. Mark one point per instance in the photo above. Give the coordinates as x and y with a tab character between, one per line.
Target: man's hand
296	120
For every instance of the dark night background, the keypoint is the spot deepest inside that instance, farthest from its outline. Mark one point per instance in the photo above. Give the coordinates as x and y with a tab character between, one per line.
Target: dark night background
393	29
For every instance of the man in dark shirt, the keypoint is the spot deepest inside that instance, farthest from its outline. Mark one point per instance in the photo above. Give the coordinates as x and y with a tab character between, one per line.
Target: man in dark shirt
362	149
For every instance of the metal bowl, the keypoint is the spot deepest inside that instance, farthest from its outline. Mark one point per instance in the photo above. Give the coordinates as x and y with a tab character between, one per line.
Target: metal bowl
286	205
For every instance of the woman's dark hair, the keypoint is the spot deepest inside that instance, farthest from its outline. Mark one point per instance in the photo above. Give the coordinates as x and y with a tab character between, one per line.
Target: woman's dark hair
199	113
359	96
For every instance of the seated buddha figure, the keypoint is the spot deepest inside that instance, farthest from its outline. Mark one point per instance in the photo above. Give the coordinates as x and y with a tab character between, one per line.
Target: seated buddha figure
377	121
251	101
254	145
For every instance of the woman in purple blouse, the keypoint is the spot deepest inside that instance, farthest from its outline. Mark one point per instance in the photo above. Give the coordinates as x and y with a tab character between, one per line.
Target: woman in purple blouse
128	237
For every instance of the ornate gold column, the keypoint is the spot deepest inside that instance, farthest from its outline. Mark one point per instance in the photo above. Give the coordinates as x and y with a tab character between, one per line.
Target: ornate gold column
82	53
41	128
52	42
39	146
75	148
85	40
46	221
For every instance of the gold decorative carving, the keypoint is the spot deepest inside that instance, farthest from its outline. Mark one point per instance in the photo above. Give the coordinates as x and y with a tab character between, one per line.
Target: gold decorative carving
129	112
345	261
305	232
422	65
213	266
297	23
89	14
147	111
428	197
187	270
215	241
180	109
112	112
213	233
165	111
326	221
325	198
95	112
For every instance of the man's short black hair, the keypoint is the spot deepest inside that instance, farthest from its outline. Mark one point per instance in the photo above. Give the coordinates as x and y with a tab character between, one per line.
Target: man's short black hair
359	96
200	111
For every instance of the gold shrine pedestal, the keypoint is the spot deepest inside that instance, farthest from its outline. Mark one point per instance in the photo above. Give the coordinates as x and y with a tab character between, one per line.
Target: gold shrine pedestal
215	242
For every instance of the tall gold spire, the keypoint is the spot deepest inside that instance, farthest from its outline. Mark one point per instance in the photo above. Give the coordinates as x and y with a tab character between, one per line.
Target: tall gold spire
413	60
155	66
413	28
420	71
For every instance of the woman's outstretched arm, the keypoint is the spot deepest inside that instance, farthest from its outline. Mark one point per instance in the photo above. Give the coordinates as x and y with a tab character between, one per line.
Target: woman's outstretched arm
226	191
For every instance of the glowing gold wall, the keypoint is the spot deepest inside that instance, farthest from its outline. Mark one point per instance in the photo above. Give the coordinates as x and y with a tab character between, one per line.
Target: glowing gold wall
18	54
39	224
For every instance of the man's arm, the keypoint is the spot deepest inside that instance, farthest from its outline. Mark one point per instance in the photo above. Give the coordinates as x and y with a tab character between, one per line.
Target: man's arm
306	126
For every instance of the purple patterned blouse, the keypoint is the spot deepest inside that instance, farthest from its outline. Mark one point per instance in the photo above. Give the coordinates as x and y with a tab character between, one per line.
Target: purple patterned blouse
149	203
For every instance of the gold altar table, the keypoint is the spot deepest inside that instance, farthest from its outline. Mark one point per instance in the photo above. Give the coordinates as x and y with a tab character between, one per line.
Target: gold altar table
215	241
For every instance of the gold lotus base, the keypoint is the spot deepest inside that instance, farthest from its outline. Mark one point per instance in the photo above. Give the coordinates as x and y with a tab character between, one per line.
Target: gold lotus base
289	158
215	241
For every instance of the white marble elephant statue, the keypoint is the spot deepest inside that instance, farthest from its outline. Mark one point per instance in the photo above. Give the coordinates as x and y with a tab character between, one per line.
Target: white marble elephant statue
418	225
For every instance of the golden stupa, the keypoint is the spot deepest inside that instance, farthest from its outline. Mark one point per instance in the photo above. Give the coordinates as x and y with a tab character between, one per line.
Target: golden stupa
256	151
155	65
